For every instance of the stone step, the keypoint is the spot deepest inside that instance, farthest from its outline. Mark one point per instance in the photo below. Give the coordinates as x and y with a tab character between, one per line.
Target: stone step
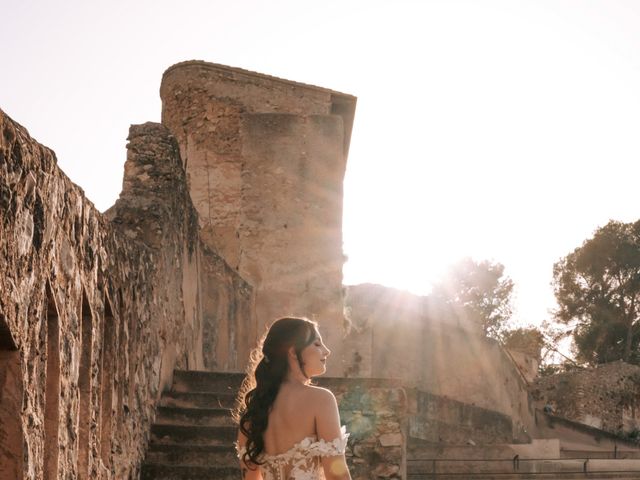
192	435
192	455
197	400
200	381
211	417
152	471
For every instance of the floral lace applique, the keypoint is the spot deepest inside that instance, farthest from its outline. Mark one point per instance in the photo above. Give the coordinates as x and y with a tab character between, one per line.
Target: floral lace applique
303	460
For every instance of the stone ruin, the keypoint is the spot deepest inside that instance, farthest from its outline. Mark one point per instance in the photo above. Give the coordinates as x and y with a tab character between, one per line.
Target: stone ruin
230	216
606	397
97	310
265	160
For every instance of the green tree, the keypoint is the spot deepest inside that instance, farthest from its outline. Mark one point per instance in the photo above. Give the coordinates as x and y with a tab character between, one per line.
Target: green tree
527	339
479	291
597	287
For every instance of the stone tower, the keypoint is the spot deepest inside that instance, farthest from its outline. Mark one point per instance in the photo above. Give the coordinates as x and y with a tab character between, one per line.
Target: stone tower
265	161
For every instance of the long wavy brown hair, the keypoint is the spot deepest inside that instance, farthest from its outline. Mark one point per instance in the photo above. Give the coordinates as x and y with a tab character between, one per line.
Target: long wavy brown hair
268	367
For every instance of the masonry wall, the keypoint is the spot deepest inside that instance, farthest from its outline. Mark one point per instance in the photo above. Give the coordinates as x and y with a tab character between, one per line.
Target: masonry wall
375	413
606	397
97	310
11	392
228	311
399	335
437	420
265	160
526	363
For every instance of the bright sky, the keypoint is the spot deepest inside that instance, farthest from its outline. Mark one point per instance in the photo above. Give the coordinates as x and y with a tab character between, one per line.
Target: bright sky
506	130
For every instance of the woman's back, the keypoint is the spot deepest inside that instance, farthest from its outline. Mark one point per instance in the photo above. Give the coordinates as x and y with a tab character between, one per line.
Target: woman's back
289	429
292	417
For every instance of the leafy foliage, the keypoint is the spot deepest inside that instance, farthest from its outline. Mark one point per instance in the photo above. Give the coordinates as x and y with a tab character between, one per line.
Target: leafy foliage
548	369
525	339
597	287
479	291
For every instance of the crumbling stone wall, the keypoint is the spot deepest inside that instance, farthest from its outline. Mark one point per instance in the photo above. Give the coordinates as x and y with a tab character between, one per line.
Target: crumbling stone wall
375	412
228	315
11	391
95	310
526	363
606	397
265	159
524	346
443	421
399	335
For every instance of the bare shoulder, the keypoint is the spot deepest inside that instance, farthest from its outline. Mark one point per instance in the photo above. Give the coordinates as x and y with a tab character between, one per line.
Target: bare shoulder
321	400
326	414
320	395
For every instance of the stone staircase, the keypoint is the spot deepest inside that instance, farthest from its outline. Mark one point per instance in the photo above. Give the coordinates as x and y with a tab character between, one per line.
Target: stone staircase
192	437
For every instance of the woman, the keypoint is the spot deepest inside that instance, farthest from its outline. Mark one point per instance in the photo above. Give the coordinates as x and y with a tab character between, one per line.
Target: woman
289	429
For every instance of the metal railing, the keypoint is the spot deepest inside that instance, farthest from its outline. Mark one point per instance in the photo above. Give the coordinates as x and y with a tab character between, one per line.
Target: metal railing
615	454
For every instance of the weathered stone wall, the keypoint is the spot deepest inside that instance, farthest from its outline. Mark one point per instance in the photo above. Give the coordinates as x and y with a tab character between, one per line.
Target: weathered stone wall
96	310
399	335
524	346
11	391
607	397
265	159
228	310
443	421
527	364
375	413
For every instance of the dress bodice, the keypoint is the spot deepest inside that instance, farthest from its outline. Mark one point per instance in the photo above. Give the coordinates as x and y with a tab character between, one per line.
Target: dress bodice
303	460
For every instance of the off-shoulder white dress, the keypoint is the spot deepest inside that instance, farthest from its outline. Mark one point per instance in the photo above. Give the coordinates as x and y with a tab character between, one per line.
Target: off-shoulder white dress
303	461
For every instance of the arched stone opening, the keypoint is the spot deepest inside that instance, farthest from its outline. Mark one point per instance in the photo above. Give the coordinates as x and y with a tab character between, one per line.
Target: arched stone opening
84	387
121	358
107	382
11	389
52	389
133	354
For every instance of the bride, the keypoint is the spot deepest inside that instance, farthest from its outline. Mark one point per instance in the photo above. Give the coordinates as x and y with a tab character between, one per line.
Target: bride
288	428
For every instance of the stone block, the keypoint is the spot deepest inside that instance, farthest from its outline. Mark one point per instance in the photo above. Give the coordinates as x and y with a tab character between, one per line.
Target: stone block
391	439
